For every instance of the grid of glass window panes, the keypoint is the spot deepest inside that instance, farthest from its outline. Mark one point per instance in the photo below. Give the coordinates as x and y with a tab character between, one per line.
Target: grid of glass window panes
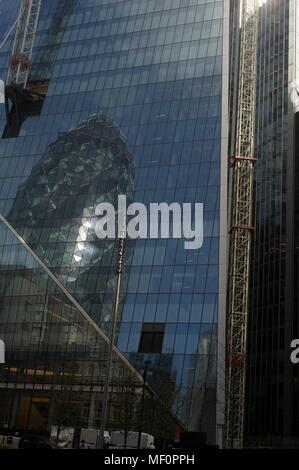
267	404
154	67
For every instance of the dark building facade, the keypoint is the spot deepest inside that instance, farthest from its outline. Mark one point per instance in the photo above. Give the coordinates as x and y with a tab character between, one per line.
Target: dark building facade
272	386
136	104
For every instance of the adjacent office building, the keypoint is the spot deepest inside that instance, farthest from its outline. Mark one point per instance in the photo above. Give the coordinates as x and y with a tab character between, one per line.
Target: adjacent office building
272	385
134	101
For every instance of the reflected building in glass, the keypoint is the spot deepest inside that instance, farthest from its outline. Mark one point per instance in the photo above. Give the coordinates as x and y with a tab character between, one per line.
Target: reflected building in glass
135	103
55	210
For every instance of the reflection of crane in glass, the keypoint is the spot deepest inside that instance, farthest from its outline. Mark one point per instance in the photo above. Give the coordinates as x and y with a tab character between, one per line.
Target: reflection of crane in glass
23	42
20	100
24	96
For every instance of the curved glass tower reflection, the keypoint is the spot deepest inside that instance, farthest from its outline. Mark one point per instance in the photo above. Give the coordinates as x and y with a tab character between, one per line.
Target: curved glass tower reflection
55	209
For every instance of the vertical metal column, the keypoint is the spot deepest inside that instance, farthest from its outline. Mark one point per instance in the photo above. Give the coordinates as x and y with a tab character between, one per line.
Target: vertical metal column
146	364
111	344
241	229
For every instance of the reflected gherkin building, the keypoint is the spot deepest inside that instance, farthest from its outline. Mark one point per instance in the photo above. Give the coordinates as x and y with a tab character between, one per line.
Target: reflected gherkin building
54	210
135	103
48	339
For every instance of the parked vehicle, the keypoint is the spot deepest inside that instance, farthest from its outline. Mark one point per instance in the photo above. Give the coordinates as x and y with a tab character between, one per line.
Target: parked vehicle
89	438
119	440
63	437
9	442
36	442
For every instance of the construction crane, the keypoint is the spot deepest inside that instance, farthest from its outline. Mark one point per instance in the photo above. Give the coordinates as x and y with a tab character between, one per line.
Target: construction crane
23	42
242	166
26	85
21	99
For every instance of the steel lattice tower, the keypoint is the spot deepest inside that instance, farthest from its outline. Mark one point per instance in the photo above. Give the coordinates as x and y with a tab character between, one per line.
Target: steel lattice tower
241	228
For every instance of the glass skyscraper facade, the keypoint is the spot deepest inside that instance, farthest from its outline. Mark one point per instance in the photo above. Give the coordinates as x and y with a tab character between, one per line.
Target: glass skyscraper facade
136	104
272	391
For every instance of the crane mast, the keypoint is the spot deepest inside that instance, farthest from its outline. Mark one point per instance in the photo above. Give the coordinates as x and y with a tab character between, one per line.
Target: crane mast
23	42
242	165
